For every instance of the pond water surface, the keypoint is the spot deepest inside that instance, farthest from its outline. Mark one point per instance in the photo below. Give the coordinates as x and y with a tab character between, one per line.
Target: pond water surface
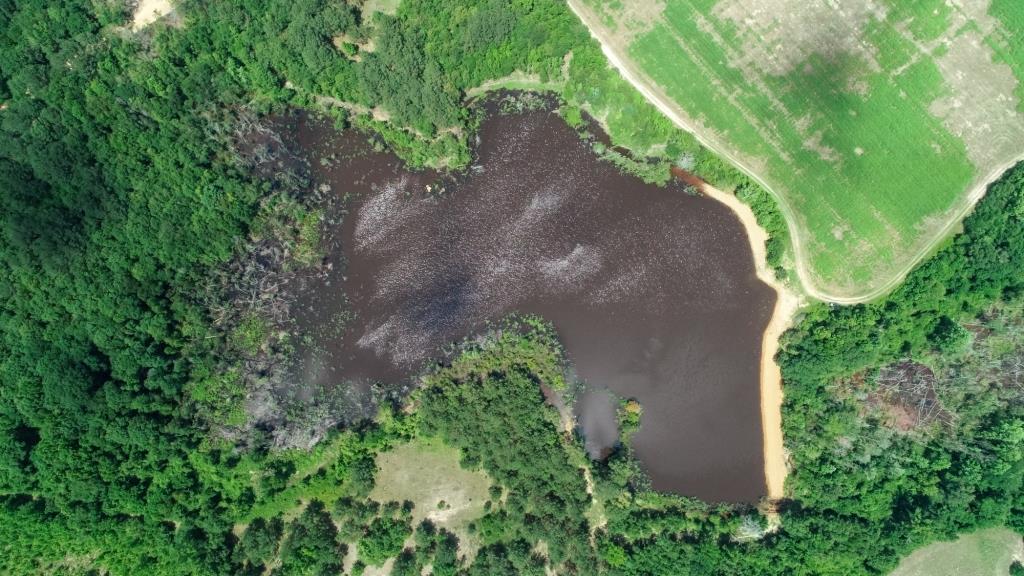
652	291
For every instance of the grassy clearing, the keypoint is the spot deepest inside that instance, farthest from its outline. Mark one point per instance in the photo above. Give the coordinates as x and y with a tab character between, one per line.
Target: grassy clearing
983	553
871	125
384	6
149	11
427	472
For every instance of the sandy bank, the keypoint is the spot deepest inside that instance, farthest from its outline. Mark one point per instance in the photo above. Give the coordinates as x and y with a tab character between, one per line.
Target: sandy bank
787	302
614	48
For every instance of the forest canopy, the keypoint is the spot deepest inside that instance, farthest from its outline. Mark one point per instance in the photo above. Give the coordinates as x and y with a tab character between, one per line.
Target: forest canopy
124	198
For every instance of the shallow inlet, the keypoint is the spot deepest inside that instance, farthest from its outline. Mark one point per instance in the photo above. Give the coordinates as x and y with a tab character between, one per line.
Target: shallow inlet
653	291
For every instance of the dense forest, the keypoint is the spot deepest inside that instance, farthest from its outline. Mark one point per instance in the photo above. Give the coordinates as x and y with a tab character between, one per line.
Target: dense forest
128	201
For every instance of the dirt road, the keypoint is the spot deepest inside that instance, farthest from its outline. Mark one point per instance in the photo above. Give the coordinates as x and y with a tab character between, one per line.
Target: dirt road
615	49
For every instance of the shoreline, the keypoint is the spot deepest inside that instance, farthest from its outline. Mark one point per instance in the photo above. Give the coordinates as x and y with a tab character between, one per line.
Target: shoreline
654	95
787	302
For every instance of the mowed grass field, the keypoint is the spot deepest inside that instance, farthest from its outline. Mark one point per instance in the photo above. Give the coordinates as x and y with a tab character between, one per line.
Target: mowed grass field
983	553
873	121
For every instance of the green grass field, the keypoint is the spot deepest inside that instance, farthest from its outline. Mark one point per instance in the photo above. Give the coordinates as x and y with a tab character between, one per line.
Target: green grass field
871	121
983	553
427	473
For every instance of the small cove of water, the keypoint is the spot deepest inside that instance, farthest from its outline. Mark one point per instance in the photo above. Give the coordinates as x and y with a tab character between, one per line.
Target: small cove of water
652	291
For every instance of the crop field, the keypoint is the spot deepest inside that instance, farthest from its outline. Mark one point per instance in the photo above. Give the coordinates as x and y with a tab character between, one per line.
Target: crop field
876	123
983	553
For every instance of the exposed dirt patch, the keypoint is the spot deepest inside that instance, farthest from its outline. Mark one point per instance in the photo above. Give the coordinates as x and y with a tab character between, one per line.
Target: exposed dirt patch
825	152
149	11
350	47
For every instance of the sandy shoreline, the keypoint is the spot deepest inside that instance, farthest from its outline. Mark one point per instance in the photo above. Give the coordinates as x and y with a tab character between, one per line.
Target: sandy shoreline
787	302
786	305
654	94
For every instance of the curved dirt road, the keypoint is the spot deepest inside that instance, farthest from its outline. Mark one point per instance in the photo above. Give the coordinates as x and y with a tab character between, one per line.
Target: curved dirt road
787	302
612	50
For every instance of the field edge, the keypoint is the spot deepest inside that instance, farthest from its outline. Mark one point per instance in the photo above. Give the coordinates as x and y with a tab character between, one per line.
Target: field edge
810	285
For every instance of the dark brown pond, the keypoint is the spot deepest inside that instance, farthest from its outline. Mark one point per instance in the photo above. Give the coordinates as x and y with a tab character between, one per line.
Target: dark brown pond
652	290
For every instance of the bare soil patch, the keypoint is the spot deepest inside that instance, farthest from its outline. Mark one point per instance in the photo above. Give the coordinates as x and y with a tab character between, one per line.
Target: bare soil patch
149	11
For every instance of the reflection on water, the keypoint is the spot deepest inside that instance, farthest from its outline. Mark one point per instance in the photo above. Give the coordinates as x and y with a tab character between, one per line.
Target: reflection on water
652	291
596	413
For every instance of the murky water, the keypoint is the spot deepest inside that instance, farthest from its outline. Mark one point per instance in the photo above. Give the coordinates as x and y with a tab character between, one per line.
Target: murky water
596	413
652	291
